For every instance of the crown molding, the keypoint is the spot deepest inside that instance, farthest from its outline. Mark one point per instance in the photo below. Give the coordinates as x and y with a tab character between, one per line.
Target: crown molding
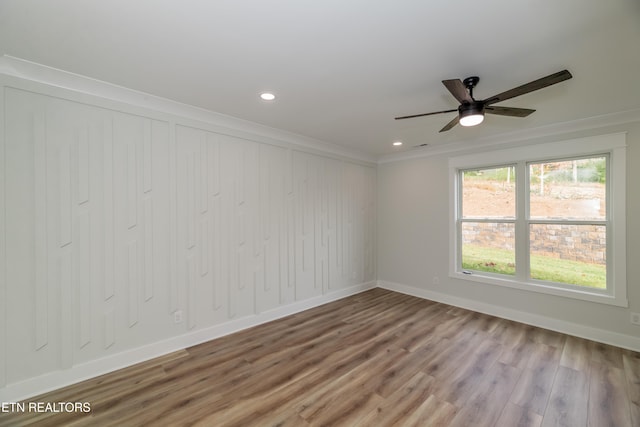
519	137
43	74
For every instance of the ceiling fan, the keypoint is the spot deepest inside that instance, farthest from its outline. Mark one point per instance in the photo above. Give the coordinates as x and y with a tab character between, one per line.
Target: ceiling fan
471	111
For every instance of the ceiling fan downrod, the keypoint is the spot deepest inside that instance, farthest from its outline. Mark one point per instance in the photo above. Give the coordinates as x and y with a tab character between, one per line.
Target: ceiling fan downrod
470	83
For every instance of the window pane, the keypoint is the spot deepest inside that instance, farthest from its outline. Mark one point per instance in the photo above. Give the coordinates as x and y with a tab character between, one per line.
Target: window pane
489	193
572	189
571	254
489	247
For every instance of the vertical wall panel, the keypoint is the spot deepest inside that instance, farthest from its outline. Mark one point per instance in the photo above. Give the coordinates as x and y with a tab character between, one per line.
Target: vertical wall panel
109	328
41	294
148	248
147	153
213	154
83	273
83	165
64	173
320	231
159	251
307	198
241	267
266	186
204	174
240	160
192	291
186	141
92	338
205	241
291	239
255	210
173	218
264	273
191	199
216	239
240	225
132	283
132	186
108	228
289	172
332	188
66	309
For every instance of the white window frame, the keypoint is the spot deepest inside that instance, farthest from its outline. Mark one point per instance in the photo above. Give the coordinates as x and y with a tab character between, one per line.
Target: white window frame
611	145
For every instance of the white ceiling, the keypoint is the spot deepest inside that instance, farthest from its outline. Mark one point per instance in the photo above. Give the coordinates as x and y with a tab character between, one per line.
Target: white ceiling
343	69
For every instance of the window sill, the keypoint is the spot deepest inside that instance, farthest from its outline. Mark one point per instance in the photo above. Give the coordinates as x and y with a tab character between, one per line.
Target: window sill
541	287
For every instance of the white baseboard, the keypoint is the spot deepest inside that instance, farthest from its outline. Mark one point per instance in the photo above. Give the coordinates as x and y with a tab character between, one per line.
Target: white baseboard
569	328
54	380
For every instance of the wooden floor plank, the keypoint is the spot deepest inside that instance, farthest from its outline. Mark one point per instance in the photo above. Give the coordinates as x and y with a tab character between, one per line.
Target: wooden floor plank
576	354
486	404
631	364
635	414
433	413
606	354
458	388
569	400
534	386
517	416
608	397
403	403
518	345
379	358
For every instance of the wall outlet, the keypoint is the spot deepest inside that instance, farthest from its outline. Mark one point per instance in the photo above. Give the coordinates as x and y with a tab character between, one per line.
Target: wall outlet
177	316
635	318
436	280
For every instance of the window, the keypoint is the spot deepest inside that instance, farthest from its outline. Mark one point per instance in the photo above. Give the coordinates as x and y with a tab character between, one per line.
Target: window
546	218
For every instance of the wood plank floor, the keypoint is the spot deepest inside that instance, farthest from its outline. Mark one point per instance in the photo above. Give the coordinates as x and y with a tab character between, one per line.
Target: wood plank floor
375	359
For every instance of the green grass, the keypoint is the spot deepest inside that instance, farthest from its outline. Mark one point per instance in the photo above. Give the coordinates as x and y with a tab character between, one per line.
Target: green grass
501	261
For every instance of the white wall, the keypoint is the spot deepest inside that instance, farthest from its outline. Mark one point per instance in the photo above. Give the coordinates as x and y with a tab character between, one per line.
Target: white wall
413	242
114	217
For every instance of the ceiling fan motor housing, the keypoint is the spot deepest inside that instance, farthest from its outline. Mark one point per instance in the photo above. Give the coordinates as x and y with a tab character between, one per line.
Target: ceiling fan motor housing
471	108
471	114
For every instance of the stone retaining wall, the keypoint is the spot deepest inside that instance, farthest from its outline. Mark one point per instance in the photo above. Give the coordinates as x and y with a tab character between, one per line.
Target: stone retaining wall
585	243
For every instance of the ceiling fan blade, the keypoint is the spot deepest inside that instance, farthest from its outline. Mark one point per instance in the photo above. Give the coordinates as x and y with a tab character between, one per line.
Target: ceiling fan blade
458	90
508	111
530	87
426	114
449	125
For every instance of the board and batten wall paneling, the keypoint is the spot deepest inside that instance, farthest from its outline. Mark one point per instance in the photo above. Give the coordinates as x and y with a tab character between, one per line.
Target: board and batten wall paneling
116	221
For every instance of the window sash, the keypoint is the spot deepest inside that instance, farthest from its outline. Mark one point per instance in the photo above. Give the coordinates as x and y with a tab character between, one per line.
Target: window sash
527	187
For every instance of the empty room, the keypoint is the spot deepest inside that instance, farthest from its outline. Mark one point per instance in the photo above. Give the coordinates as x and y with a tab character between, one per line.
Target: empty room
319	213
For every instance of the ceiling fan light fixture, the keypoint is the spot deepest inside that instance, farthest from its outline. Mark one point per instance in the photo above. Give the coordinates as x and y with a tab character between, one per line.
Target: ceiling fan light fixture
471	120
471	114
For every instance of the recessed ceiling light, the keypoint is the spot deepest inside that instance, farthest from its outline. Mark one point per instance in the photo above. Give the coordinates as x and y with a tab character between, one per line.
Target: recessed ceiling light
397	143
267	96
